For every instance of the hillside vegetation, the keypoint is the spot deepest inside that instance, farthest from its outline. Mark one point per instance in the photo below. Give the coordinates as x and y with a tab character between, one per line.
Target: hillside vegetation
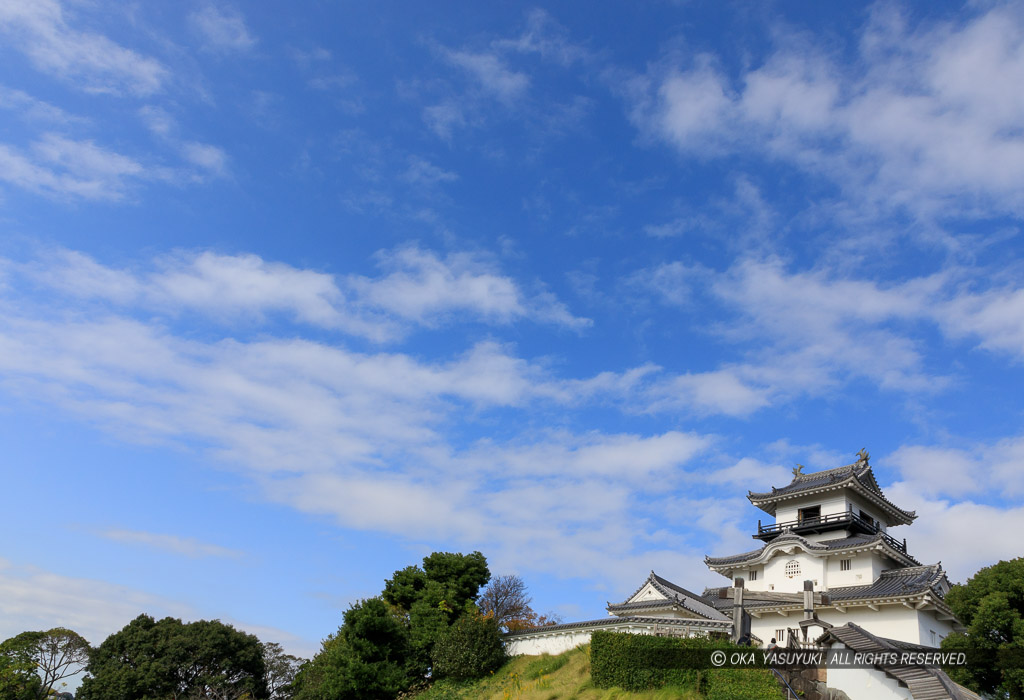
562	677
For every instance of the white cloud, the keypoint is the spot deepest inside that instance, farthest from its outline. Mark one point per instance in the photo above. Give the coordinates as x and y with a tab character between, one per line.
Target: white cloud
34	110
421	287
87	60
363	438
948	531
222	29
186	546
952	471
423	172
910	127
210	158
491	73
443	118
543	36
64	167
32	599
417	288
35	599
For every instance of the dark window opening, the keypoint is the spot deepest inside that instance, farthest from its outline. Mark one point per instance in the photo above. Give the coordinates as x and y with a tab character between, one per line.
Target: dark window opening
806	514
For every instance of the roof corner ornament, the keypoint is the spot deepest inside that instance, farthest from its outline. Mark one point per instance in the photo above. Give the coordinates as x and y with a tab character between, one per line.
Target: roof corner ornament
864	456
798	470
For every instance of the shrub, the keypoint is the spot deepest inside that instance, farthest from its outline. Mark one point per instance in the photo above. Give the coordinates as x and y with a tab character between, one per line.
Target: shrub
747	683
641	662
470	648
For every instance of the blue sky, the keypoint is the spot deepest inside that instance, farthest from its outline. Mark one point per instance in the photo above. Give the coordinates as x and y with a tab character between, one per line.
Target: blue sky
289	300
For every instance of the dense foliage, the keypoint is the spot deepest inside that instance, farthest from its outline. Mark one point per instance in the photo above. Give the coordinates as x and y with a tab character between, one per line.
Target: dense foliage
150	659
469	648
18	678
369	657
386	644
640	662
991	606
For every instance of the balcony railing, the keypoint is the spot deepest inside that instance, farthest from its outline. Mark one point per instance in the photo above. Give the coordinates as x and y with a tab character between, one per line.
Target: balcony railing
821	523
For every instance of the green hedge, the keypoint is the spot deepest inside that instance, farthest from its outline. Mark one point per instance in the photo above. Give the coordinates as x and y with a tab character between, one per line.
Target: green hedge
639	662
742	684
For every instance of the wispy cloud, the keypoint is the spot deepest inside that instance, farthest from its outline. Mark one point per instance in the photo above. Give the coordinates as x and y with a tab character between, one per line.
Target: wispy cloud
59	166
222	29
87	60
491	73
34	599
911	128
34	110
417	287
185	546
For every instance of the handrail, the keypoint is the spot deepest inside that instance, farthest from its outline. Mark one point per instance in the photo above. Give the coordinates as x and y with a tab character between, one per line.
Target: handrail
789	689
832	518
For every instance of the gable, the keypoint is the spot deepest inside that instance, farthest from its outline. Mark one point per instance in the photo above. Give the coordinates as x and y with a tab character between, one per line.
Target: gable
647	593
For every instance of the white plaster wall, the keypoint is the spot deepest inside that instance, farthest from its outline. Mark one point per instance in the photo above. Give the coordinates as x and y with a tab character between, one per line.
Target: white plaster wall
551	644
866	684
562	641
928	622
648	592
864	569
811	567
757	585
831	503
890	621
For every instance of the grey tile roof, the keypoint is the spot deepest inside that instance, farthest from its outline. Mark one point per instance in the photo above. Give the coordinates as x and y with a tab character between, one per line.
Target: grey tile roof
675	595
895	582
909	581
924	683
859	473
724	624
823	546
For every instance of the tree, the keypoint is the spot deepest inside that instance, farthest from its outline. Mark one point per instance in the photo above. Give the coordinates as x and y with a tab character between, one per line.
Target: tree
368	658
148	659
433	597
54	655
991	607
470	648
18	677
506	601
281	669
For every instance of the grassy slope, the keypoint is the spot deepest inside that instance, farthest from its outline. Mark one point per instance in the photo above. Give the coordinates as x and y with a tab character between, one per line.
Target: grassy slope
562	677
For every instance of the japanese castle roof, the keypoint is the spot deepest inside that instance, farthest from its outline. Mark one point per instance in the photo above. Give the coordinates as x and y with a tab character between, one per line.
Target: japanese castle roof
782	541
923	682
673	596
722	624
895	583
857	476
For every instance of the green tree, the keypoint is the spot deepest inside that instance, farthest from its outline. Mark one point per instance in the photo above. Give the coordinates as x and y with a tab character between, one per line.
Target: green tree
18	677
435	596
281	669
991	607
169	659
470	648
368	658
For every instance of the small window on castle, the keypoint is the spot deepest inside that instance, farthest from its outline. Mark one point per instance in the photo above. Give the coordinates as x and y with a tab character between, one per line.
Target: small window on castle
845	564
780	636
809	514
792	568
753	576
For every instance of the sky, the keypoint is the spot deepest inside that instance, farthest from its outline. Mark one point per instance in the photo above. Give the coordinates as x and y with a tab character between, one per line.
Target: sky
290	299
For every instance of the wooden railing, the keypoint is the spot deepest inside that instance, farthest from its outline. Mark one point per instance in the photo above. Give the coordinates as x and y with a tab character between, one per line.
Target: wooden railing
831	519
